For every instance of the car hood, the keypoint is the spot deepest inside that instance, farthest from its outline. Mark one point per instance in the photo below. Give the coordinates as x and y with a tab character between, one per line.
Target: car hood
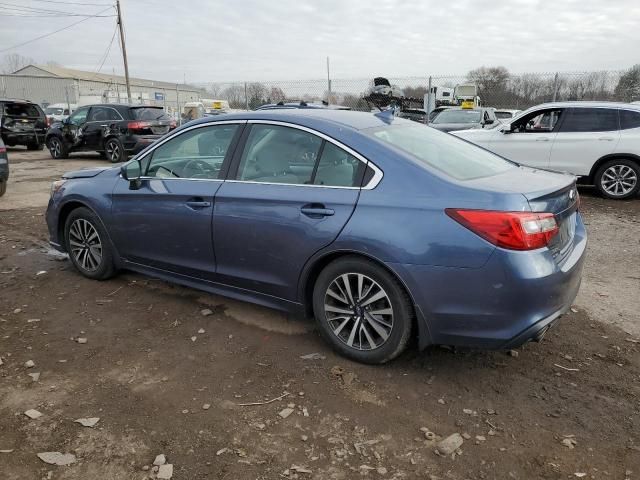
451	127
85	173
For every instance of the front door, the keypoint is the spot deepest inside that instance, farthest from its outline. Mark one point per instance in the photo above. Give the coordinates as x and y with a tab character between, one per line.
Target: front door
530	138
72	129
166	223
289	194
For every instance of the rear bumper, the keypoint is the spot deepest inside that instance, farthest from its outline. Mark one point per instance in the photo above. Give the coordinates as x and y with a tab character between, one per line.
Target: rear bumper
4	169
22	138
513	298
136	143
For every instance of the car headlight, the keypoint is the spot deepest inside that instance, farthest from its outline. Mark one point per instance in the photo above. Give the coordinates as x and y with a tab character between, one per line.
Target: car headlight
57	185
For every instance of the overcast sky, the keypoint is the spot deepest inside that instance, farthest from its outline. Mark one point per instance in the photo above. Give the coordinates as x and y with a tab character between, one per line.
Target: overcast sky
219	40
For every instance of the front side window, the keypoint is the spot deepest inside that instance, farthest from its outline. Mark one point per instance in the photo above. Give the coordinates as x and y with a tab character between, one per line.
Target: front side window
541	121
629	119
196	154
446	153
275	154
79	116
590	120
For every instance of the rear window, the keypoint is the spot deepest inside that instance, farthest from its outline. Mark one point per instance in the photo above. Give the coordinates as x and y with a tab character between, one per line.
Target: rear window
149	113
503	115
21	110
590	120
458	116
629	119
54	111
446	153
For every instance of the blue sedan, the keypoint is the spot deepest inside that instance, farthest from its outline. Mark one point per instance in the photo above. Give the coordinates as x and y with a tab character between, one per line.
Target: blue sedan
382	229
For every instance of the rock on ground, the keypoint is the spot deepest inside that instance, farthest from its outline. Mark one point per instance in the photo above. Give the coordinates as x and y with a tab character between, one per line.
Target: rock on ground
160	459
87	422
57	458
165	472
450	444
33	414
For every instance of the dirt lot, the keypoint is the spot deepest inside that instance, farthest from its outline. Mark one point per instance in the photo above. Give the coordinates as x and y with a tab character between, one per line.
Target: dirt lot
164	378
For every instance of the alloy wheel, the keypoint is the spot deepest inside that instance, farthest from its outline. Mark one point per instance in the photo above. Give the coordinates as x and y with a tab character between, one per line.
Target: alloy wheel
55	147
619	180
359	311
113	151
85	245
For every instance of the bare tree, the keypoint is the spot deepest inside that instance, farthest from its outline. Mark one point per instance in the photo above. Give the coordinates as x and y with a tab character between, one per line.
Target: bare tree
628	87
234	95
13	62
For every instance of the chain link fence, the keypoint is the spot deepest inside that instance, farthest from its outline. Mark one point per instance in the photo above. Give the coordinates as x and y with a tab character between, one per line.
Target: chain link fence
496	88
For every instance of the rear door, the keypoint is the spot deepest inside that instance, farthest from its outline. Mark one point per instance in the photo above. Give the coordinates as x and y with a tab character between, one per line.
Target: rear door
530	139
166	223
289	193
586	135
100	120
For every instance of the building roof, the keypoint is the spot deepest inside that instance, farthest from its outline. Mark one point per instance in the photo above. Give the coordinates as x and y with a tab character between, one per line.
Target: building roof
62	72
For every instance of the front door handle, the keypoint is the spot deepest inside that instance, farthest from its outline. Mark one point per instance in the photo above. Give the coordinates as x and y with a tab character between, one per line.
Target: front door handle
197	204
606	139
317	210
543	139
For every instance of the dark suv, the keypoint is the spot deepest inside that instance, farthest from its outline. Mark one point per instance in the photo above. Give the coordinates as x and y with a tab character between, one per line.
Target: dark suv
4	168
22	123
115	131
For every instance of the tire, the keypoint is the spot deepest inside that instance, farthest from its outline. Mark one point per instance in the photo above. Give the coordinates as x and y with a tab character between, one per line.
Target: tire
3	187
57	148
360	335
114	150
35	146
618	179
80	229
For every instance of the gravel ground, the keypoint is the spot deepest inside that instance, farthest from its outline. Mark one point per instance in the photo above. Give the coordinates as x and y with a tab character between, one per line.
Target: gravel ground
163	378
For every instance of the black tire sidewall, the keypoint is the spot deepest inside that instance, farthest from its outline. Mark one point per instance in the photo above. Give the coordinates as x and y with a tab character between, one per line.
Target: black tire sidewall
400	301
106	269
122	157
622	161
64	153
3	187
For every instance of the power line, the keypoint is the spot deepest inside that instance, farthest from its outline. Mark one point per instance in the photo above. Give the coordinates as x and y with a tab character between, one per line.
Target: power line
56	31
106	54
75	3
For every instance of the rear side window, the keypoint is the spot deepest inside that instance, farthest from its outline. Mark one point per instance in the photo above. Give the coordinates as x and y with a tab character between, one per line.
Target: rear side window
338	168
149	113
590	120
446	153
629	119
21	110
103	114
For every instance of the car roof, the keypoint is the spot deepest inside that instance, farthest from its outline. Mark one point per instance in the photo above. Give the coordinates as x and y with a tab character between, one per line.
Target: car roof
592	104
22	100
313	117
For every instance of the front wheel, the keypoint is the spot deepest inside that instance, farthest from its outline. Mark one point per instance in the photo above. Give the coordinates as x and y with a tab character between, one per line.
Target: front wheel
362	310
57	148
3	187
114	150
618	179
88	245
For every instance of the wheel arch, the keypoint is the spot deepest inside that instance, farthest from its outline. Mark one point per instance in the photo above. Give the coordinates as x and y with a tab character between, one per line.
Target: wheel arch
611	156
315	266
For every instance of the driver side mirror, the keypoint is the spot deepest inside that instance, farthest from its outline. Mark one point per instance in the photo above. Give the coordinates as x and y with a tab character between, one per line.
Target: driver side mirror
509	128
132	171
489	121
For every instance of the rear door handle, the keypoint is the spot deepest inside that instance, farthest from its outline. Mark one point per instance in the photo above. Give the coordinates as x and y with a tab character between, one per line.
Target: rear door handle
317	211
543	139
606	139
197	204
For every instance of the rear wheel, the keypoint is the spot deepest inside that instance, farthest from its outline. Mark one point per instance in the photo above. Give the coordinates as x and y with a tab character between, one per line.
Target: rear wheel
3	187
88	245
618	179
57	148
114	150
362	310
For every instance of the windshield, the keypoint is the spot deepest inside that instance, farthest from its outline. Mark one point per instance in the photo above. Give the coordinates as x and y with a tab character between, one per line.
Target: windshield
458	116
149	113
446	153
53	111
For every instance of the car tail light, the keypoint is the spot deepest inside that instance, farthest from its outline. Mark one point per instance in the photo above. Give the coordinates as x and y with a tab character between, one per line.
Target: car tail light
3	149
47	121
511	230
138	125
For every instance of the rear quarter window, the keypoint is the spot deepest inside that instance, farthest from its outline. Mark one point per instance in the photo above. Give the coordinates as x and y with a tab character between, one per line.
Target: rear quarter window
450	155
629	119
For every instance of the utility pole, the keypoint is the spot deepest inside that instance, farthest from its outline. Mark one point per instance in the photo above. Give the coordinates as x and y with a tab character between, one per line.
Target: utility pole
124	51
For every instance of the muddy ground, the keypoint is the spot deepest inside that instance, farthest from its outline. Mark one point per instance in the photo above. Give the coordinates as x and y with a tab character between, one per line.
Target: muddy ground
164	378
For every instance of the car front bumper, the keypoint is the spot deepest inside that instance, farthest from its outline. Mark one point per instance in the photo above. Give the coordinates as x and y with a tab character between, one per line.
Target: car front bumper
515	297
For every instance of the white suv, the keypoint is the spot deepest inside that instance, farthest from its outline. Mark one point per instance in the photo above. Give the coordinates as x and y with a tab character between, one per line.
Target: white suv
597	141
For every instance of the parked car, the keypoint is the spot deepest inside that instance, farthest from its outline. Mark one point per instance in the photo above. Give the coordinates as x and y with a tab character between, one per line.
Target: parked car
4	168
59	111
434	113
22	123
505	114
416	114
389	230
458	118
115	131
596	141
